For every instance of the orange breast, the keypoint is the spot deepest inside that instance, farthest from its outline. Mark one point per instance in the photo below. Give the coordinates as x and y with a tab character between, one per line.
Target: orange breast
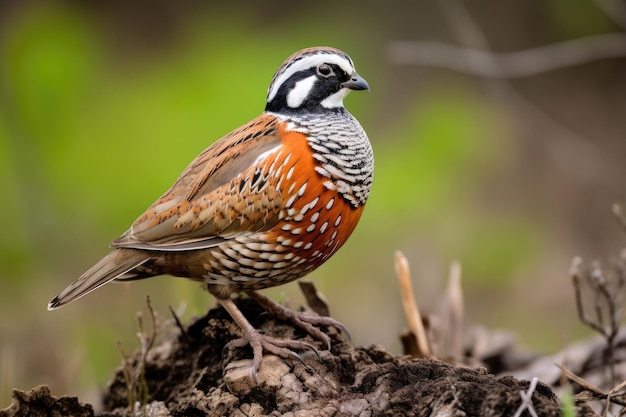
315	220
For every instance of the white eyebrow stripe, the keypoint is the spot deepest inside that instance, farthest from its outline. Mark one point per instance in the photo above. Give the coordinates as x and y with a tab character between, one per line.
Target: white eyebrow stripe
306	63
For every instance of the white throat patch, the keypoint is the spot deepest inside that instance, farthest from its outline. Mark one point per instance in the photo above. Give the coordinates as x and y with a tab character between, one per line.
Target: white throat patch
336	99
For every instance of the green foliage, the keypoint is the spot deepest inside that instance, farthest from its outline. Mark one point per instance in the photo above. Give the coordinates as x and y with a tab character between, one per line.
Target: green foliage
495	248
571	19
423	161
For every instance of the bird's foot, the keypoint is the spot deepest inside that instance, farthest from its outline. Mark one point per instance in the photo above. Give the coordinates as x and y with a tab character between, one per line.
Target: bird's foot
304	320
285	348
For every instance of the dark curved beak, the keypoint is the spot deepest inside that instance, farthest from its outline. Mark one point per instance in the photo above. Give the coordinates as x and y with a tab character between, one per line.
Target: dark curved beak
356	83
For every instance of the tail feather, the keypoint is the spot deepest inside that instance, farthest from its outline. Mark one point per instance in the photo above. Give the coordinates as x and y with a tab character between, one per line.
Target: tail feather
112	266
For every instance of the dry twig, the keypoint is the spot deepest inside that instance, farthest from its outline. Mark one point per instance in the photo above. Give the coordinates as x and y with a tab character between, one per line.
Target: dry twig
413	316
591	392
456	312
479	62
566	147
606	308
314	299
615	10
134	371
527	399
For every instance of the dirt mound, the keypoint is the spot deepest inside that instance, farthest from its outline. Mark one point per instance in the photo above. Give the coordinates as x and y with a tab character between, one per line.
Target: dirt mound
186	375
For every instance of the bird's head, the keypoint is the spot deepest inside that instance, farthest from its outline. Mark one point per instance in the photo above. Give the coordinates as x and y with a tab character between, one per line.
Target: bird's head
313	80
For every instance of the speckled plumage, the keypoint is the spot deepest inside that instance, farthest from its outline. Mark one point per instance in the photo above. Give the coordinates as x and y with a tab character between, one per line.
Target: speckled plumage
264	205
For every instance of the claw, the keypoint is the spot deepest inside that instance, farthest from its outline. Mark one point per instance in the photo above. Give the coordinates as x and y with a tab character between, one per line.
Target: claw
284	348
305	321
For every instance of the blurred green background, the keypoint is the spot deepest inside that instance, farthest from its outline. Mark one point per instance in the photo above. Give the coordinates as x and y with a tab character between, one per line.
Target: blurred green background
103	104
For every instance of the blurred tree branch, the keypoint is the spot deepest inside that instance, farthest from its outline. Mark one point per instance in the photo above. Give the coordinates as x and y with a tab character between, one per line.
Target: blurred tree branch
615	10
509	65
574	154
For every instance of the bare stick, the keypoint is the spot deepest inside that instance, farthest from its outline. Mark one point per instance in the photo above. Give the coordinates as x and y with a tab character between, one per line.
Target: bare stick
457	309
606	305
180	326
527	399
525	63
314	299
565	146
413	316
134	375
614	9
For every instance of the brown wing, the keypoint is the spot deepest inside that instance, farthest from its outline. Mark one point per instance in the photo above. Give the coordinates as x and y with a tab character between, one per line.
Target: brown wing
219	196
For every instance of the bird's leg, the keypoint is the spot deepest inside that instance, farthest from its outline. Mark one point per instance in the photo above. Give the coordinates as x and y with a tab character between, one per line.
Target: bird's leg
304	320
260	342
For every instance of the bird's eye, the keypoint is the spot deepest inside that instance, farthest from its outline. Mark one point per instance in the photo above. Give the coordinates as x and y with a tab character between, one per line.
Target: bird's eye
325	70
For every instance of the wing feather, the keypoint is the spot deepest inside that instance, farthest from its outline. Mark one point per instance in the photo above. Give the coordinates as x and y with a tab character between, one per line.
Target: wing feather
208	204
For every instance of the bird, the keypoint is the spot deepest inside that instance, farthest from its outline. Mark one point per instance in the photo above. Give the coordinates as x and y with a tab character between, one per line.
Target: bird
264	205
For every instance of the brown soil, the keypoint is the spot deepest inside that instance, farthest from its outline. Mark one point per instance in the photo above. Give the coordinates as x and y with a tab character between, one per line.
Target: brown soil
186	376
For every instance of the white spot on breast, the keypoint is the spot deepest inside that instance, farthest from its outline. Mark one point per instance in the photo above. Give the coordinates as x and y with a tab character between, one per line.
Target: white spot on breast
323	227
290	172
330	185
338	173
302	189
315	216
279	183
330	203
310	228
322	172
338	220
291	200
279	169
308	246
